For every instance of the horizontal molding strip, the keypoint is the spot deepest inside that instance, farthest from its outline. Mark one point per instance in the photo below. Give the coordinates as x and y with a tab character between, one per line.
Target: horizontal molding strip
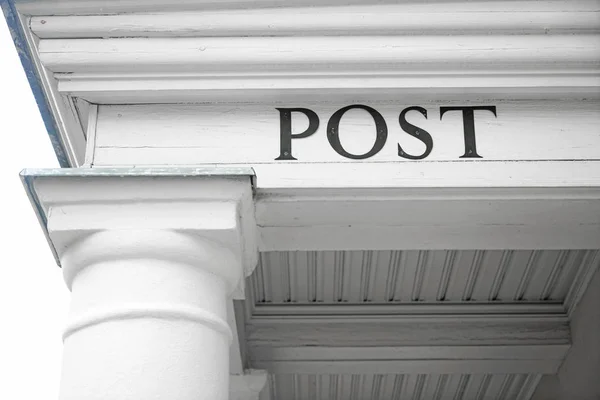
338	55
477	338
179	87
61	7
433	366
394	331
148	311
406	311
541	352
524	176
529	17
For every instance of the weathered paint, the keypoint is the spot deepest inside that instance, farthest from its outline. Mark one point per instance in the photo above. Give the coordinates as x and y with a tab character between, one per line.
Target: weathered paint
12	20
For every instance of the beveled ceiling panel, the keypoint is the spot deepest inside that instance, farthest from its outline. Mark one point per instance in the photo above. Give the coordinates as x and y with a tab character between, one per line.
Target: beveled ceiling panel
409	387
418	276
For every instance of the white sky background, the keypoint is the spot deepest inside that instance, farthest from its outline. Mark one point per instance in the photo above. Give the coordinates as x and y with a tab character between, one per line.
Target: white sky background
33	297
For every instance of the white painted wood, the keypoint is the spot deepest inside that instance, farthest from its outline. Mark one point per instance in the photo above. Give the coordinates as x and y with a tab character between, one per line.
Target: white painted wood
91	135
343	54
67	124
528	389
439	219
101	196
286	177
349	88
250	386
412	282
61	7
142	325
585	274
82	107
250	133
395	386
152	312
236	366
577	378
379	19
535	60
550	353
370	343
394	331
410	366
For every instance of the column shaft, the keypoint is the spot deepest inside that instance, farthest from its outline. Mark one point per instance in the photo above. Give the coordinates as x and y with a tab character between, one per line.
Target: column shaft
145	324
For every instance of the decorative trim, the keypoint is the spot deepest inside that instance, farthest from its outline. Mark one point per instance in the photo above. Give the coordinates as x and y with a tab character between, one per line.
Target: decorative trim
41	97
328	56
392	331
117	71
156	311
415	338
408	312
458	18
30	176
432	366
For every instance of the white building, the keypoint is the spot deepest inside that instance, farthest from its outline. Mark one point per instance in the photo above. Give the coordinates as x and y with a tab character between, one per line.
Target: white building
266	199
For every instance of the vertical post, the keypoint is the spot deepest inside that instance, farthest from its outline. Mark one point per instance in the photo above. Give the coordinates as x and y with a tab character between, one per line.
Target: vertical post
148	318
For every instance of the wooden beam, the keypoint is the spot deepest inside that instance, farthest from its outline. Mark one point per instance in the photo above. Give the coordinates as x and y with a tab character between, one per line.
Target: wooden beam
525	341
433	366
411	218
393	331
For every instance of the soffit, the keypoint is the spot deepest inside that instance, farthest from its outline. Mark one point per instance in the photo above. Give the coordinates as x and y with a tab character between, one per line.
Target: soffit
403	386
457	276
460	324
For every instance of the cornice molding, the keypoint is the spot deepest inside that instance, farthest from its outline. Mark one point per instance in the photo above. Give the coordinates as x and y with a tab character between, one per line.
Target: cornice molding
113	7
146	51
232	69
406	18
330	55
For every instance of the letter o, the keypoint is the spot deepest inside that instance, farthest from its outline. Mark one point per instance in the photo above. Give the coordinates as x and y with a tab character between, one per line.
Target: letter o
333	135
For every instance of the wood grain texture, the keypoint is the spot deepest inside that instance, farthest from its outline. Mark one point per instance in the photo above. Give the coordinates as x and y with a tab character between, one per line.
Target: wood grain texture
375	19
438	224
319	54
324	201
392	331
62	7
64	116
250	133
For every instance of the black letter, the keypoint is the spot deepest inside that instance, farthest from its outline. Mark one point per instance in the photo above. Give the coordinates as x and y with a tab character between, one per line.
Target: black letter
286	136
417	132
469	126
334	137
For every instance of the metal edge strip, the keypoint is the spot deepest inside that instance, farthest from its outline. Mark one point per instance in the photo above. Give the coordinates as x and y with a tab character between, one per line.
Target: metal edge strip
27	181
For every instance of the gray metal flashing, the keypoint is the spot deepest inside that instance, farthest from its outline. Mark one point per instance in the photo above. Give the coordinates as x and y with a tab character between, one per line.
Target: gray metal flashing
29	176
139	172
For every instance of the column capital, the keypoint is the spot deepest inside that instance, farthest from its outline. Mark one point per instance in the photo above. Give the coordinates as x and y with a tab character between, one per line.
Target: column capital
158	210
